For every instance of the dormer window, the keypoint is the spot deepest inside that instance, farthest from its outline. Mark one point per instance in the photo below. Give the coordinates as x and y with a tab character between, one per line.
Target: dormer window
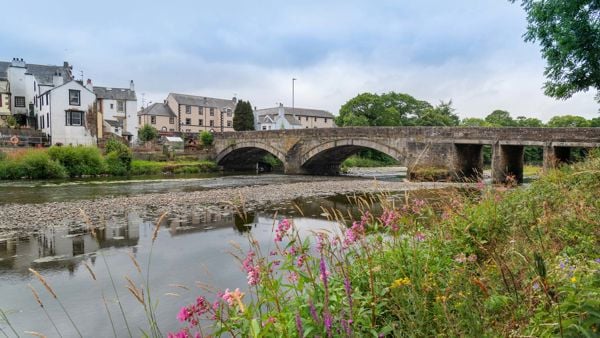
74	97
121	106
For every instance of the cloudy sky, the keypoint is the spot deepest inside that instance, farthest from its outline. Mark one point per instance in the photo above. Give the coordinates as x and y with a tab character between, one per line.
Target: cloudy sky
467	51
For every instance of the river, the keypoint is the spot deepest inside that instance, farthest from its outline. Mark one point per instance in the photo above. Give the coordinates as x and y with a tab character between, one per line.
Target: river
190	250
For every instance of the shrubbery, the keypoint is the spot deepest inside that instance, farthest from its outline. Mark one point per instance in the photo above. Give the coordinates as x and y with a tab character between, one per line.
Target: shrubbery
33	164
118	158
78	160
207	138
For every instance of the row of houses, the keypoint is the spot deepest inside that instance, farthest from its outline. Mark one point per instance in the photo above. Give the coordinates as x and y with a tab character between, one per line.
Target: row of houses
49	99
69	111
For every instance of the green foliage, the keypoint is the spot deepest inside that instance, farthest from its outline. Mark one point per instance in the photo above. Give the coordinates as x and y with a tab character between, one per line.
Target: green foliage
500	118
32	164
394	109
207	138
273	161
568	121
11	121
78	160
569	36
147	133
475	122
243	116
522	262
523	121
118	158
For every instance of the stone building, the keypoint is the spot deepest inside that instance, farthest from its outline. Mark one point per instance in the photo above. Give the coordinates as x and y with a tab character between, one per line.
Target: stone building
117	108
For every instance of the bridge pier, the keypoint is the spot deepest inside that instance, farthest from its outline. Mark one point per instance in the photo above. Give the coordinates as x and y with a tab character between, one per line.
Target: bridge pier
468	162
507	160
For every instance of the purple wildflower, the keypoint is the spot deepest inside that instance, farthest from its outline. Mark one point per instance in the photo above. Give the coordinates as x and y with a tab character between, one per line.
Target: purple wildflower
348	288
327	322
419	236
282	228
323	272
597	260
299	325
313	311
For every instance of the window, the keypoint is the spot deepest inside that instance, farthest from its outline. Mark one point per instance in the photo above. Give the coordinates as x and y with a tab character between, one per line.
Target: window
171	129
307	118
1	98
188	130
48	120
299	118
212	111
20	101
211	123
121	106
74	97
74	118
112	106
153	119
229	113
188	109
139	120
315	119
200	122
188	122
264	127
229	123
171	120
325	119
163	128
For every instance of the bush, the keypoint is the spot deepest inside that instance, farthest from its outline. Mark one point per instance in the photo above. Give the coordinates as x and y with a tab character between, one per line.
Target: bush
35	164
147	133
207	138
117	151
78	160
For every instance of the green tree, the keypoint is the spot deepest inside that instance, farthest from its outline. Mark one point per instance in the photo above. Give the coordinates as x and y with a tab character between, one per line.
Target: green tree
568	121
568	32
475	122
243	116
595	122
500	118
389	109
442	115
207	138
522	121
147	133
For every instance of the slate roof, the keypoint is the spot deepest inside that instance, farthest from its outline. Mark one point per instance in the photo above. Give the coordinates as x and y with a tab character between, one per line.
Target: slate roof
202	101
42	73
296	111
113	123
293	121
109	93
157	109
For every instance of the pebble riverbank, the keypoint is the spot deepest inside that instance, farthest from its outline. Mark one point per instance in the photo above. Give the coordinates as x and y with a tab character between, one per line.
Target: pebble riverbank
23	218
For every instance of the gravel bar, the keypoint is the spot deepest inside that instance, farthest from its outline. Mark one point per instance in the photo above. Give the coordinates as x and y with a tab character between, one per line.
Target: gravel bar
24	218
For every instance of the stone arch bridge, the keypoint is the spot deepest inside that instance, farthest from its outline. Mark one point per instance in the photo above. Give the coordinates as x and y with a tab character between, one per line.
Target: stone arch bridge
459	149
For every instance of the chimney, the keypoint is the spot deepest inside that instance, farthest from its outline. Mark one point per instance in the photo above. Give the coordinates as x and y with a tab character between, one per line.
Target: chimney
16	62
89	85
131	86
281	111
57	79
234	100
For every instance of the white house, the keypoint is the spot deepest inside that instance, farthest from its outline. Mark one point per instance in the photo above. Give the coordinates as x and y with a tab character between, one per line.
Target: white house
275	118
292	118
64	113
117	107
27	82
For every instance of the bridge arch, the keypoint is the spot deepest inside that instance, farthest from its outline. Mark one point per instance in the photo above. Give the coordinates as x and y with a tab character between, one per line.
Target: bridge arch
245	154
326	158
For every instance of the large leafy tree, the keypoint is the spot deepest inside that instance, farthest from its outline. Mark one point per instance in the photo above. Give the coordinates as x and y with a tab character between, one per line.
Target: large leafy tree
568	121
394	109
500	118
568	32
243	116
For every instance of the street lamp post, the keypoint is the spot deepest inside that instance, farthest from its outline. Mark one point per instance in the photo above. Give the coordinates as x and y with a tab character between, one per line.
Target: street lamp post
293	107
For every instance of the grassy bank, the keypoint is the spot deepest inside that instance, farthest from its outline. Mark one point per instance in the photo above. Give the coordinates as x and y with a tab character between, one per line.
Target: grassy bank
521	262
365	162
62	162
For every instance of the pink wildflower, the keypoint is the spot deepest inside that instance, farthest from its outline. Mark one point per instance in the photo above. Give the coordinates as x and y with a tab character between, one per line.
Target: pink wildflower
300	260
228	297
282	228
418	205
251	269
180	334
293	277
419	236
460	258
184	314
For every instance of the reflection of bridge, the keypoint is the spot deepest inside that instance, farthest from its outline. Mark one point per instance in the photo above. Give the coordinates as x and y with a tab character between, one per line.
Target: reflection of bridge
321	151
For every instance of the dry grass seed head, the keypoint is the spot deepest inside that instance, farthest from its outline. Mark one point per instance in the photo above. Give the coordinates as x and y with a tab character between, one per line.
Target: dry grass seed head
44	282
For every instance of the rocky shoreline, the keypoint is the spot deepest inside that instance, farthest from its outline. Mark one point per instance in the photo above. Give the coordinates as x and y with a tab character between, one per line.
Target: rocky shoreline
24	218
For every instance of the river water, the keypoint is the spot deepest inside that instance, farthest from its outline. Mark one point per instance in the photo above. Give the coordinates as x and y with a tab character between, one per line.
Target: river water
190	250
